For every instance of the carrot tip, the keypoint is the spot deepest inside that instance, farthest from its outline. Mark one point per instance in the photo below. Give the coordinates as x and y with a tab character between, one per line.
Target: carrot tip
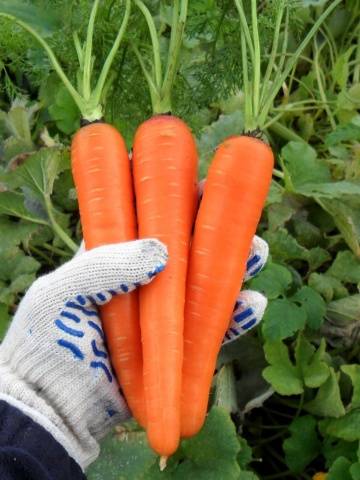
163	462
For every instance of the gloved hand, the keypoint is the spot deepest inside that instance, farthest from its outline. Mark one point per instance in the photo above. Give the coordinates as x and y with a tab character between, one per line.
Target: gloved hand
54	365
53	362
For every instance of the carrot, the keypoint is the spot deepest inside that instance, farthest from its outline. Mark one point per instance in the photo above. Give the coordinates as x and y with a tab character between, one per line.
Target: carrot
165	179
103	181
234	195
101	171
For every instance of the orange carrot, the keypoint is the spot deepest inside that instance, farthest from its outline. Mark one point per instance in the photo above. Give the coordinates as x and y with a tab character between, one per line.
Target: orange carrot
165	178
234	195
102	175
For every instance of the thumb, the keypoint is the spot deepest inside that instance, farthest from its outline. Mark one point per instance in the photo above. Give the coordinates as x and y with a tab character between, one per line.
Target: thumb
107	270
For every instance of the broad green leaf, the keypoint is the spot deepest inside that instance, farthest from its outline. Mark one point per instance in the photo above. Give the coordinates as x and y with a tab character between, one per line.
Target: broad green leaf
304	445
313	304
328	287
13	233
330	190
346	216
123	458
346	267
317	256
343	133
284	247
13	262
212	454
272	281
312	364
44	21
346	427
334	448
353	371
12	204
282	375
65	112
275	193
282	319
340	470
280	213
344	310
215	133
327	402
40	170
302	166
245	455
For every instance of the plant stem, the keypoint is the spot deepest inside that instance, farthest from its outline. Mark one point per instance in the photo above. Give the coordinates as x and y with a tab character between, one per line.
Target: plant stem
88	52
257	60
154	40
245	28
110	58
285	133
56	227
320	85
56	250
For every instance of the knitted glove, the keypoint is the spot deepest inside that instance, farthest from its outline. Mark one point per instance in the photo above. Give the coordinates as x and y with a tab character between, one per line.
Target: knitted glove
53	362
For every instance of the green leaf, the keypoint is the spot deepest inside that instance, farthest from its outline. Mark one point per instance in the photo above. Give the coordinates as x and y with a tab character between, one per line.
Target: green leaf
313	304
345	309
346	267
346	427
245	455
44	21
328	287
284	247
215	133
343	133
282	375
303	446
302	166
272	281
13	233
346	216
40	170
282	319
280	213
212	454
327	402
312	364
123	458
334	448
353	371
340	470
65	112
12	204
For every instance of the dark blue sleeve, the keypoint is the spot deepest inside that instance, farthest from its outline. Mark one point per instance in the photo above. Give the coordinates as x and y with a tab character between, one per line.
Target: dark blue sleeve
29	452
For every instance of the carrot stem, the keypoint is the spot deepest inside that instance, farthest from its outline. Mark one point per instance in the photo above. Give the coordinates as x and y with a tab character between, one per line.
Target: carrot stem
88	52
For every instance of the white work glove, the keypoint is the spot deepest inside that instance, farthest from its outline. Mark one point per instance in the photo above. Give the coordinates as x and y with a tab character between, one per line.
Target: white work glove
54	366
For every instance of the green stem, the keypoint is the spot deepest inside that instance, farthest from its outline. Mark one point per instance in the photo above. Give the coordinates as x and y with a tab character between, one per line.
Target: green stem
79	50
247	96
56	250
152	87
292	61
173	59
245	28
88	52
42	255
265	84
110	58
257	59
56	227
154	40
285	133
321	87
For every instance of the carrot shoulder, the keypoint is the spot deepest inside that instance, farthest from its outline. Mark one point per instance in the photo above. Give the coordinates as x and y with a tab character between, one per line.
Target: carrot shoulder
234	195
165	177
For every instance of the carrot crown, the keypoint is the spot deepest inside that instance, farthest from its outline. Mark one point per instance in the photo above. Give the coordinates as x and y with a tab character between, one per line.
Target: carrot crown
261	88
87	99
160	83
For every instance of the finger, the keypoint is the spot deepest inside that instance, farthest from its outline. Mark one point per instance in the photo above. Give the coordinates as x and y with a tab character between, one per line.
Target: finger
248	312
259	253
103	272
